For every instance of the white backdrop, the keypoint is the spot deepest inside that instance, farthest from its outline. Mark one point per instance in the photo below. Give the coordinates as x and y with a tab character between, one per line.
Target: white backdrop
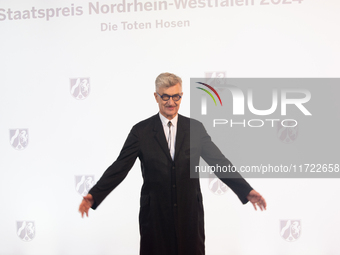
49	139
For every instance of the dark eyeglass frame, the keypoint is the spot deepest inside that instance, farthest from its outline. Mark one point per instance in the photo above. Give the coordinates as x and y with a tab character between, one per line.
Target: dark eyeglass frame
166	95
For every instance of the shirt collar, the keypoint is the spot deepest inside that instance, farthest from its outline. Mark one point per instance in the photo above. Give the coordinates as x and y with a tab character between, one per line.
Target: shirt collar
165	120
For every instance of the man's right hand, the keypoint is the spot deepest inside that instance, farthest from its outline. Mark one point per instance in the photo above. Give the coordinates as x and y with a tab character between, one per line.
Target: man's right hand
85	205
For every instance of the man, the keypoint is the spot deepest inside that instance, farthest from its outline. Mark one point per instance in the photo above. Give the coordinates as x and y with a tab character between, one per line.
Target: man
171	211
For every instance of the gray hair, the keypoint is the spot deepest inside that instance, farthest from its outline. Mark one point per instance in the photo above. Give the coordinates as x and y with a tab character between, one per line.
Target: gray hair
167	80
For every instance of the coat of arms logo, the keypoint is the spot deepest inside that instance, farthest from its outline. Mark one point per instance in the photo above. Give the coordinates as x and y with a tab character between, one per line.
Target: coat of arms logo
84	183
290	230
287	134
217	187
80	87
212	77
26	230
18	138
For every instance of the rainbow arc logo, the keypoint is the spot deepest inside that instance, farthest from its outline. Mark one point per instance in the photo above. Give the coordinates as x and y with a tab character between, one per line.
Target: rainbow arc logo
213	90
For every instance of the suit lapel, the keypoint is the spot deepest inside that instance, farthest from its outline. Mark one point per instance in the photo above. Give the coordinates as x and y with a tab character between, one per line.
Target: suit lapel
160	136
180	136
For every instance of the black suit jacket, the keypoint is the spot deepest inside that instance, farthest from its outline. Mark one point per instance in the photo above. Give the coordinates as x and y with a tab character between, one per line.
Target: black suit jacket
171	214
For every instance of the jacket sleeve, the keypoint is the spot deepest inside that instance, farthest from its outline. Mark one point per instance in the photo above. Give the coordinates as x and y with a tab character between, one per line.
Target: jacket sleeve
213	156
117	172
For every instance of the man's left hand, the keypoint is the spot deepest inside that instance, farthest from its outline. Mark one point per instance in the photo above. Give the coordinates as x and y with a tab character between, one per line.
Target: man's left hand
257	200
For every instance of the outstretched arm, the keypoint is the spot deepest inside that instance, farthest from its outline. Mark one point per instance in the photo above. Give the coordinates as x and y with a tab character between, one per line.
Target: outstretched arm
212	154
257	200
85	205
116	173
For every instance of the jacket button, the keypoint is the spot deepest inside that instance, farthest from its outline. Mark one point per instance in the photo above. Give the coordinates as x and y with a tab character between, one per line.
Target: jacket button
174	186
175	205
173	168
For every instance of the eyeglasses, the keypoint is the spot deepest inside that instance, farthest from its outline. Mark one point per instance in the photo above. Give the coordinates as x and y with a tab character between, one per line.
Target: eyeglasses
166	97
